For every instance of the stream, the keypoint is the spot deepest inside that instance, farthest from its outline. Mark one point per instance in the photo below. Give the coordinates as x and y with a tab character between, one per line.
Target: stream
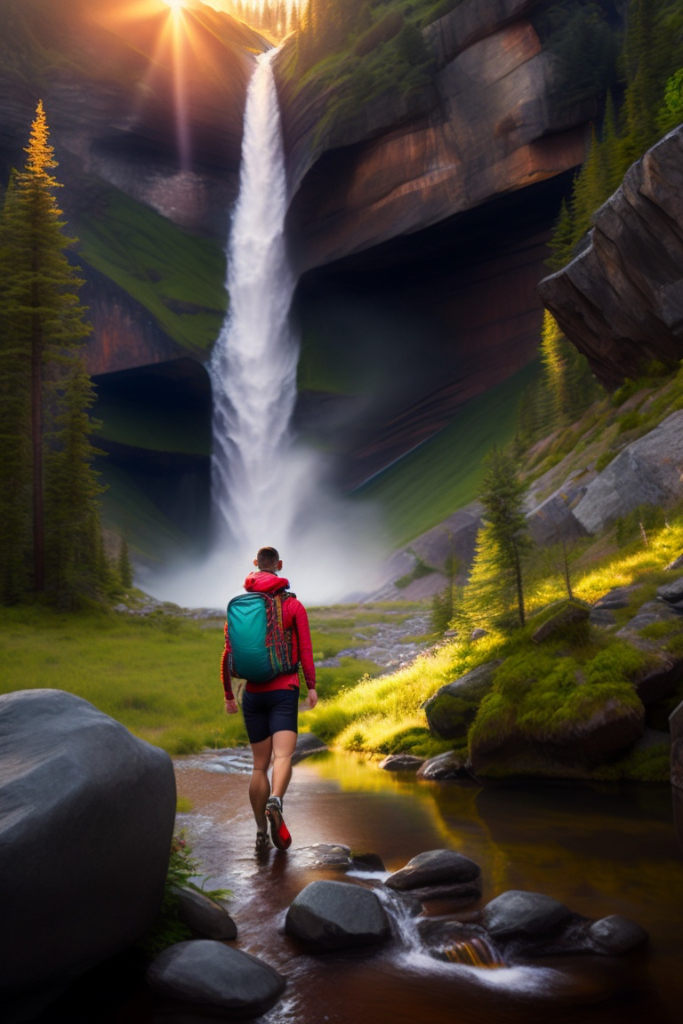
600	849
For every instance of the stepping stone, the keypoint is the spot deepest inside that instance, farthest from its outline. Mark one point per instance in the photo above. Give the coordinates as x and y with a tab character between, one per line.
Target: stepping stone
208	974
336	915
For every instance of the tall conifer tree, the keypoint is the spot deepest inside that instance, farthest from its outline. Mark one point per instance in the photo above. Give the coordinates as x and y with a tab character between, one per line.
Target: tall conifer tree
43	328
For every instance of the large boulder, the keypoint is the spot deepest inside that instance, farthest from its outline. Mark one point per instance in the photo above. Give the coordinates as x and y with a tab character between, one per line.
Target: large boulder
86	821
572	750
453	708
211	975
646	472
334	915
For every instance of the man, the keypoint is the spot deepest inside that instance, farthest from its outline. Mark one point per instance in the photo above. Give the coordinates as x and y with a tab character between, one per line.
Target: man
271	709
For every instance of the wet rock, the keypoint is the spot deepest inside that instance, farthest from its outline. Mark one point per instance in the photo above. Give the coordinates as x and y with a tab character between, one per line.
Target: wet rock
434	867
671	592
452	892
453	708
335	915
333	856
307	744
569	613
401	763
450	765
676	726
602	618
529	913
86	821
210	974
618	597
204	916
455	942
615	935
367	862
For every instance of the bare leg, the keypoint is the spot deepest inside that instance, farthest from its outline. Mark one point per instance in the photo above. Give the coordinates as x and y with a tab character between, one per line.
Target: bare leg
259	786
283	747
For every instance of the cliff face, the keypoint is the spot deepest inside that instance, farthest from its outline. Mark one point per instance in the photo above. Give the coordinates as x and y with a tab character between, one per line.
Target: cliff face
490	121
621	300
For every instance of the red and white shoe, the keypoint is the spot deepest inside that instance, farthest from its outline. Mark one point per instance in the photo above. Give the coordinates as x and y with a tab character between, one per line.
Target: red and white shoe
279	832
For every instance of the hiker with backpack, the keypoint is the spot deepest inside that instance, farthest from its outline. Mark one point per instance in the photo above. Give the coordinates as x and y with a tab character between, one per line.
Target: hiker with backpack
266	636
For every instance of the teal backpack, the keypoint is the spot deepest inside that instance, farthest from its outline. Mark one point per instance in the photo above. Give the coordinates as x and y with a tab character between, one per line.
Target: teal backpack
260	648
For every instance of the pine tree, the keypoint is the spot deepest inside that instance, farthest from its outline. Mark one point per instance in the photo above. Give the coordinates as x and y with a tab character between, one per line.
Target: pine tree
502	495
43	328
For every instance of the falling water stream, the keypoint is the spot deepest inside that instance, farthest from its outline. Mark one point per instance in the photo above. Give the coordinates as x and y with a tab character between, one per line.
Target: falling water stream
253	368
267	487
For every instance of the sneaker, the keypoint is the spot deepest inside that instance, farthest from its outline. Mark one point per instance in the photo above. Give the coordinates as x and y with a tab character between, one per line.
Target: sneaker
279	832
263	843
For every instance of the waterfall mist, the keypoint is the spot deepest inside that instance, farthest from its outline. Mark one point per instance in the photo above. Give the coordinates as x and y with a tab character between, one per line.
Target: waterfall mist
267	489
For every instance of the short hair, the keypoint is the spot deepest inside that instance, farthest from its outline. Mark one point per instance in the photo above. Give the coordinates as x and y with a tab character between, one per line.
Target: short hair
267	558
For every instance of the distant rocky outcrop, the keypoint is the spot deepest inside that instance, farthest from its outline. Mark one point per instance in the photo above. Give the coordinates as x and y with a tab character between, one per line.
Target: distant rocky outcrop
86	820
620	301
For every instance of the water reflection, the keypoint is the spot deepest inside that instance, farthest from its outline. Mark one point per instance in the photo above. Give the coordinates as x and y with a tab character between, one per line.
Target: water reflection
601	850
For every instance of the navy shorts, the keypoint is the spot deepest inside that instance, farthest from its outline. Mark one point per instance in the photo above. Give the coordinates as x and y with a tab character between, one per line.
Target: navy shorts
269	712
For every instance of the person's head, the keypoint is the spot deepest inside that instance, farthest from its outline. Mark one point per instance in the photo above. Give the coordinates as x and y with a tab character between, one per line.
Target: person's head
268	560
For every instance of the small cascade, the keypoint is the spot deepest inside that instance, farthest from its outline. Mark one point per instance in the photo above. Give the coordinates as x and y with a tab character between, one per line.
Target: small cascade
469	951
475	952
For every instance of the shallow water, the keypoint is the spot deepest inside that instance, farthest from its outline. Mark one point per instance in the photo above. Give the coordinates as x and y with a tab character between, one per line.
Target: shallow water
601	850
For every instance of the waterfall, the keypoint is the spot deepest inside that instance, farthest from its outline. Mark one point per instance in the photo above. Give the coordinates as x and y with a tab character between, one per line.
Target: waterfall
253	368
266	487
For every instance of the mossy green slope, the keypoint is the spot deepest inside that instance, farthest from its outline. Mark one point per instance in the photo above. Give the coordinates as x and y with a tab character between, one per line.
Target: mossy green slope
177	277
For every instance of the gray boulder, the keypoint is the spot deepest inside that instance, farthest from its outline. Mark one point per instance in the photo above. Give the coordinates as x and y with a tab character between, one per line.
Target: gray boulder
401	763
528	913
676	726
647	614
450	765
335	915
603	618
209	974
307	744
676	564
646	472
615	935
671	592
617	597
453	708
204	916
86	821
553	520
434	867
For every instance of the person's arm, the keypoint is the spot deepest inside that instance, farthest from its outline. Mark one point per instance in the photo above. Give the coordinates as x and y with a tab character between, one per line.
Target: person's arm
303	633
230	702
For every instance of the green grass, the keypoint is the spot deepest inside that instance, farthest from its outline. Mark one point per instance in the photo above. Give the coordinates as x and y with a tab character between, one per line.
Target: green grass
157	676
176	277
431	482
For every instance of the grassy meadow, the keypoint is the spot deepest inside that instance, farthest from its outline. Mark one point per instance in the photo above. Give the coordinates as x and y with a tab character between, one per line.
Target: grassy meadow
158	675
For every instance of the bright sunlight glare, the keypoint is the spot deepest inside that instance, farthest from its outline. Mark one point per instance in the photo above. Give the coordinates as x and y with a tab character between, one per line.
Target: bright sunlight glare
175	5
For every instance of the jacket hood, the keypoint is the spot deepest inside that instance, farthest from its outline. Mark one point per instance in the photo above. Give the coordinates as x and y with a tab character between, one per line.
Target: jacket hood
265	582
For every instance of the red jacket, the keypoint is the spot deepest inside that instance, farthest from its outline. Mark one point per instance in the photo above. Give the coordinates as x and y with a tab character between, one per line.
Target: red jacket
294	617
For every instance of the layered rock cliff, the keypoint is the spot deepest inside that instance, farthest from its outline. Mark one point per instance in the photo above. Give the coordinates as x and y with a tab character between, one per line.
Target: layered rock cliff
489	120
620	301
